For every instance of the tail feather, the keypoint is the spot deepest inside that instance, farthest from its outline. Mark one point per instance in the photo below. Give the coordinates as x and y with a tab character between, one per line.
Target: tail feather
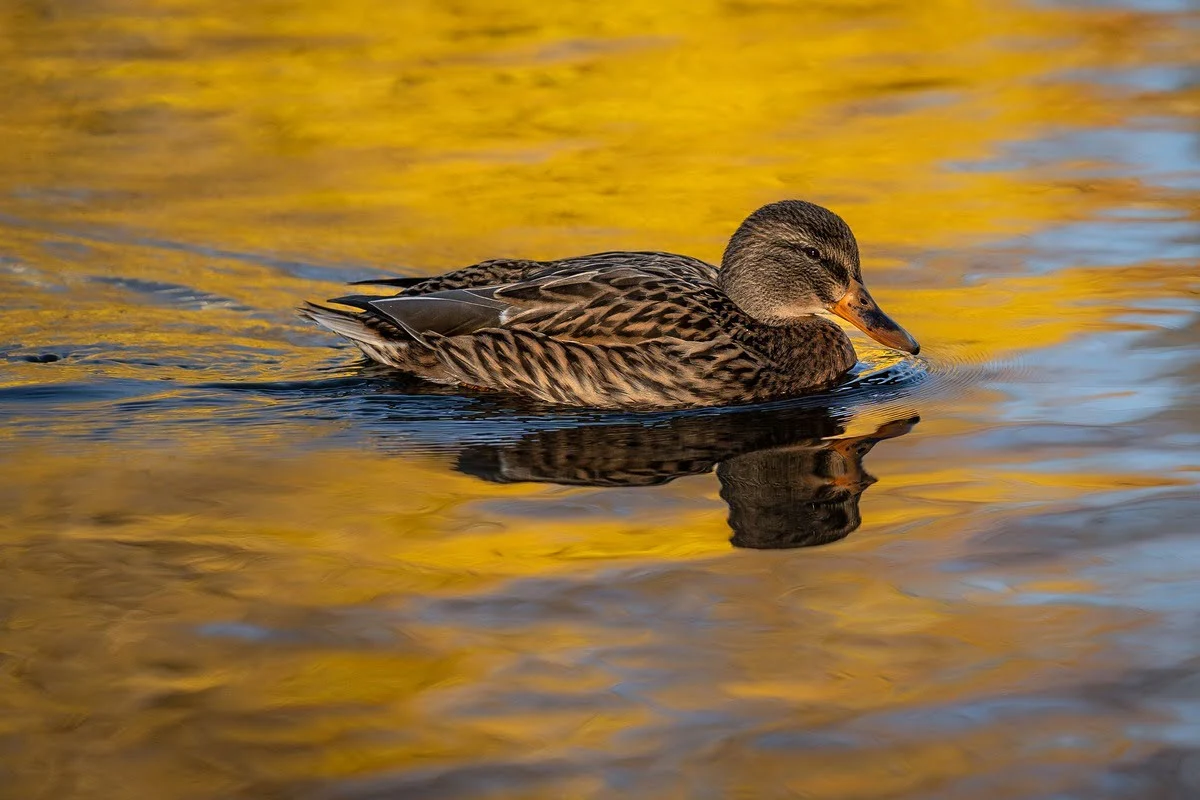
371	333
380	340
359	301
400	282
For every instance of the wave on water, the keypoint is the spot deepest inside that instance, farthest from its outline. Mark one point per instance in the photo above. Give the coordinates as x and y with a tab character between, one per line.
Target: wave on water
374	405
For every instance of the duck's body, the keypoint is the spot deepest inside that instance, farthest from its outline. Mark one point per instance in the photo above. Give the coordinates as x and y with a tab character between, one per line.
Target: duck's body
621	329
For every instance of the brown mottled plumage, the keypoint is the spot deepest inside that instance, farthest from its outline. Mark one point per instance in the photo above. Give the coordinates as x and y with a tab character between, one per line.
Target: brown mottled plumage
636	329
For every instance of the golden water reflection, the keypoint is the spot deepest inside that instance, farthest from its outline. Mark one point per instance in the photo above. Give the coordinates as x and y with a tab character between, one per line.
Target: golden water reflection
238	565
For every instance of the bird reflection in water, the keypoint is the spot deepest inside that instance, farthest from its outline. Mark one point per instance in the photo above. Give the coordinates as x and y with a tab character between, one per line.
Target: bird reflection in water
791	477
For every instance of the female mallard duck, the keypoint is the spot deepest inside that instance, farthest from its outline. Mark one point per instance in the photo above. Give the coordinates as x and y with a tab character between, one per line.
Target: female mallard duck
633	329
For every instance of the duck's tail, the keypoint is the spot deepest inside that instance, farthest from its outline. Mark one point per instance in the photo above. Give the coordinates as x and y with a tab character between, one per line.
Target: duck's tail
353	325
377	338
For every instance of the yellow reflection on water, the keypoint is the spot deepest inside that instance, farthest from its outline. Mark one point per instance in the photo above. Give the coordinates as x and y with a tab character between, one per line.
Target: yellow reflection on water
212	594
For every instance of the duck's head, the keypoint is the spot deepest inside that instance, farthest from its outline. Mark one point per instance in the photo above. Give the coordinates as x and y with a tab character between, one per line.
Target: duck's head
792	259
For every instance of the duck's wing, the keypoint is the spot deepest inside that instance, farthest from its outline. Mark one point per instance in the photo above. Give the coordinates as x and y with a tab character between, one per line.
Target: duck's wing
651	261
626	305
485	273
619	335
509	270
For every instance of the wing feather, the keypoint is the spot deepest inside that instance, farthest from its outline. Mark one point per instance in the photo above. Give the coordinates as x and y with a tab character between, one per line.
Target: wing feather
610	329
452	313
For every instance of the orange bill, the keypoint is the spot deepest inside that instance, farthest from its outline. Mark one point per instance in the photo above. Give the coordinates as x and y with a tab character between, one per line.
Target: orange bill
860	309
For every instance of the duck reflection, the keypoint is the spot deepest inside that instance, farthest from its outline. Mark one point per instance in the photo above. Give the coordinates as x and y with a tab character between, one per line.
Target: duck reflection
791	478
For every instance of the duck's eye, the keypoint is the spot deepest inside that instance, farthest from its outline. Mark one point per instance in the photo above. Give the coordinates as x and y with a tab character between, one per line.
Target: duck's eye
812	253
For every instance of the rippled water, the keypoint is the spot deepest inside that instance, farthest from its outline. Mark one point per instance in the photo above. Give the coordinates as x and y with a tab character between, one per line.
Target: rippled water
238	564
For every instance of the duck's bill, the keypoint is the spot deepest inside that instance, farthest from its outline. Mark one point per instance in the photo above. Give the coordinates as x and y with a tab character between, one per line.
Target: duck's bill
860	309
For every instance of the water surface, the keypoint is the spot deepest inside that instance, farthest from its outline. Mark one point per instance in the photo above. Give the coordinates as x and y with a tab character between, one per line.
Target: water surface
238	564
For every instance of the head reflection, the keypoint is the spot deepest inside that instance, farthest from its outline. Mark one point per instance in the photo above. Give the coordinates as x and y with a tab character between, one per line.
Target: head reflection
791	477
803	495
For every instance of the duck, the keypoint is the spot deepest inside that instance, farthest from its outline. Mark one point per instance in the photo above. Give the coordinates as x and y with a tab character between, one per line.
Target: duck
635	329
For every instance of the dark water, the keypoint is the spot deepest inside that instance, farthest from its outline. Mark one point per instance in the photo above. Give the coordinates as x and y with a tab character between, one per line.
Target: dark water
239	564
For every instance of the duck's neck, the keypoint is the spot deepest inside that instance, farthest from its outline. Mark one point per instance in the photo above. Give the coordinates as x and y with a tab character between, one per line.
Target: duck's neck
798	340
760	285
809	345
747	292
